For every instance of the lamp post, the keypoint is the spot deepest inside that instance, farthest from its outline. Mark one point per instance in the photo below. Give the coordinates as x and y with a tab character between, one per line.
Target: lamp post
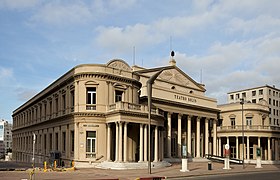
242	103
149	93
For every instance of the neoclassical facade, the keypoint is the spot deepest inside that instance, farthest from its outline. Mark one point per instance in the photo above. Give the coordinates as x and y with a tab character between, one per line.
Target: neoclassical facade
98	113
256	130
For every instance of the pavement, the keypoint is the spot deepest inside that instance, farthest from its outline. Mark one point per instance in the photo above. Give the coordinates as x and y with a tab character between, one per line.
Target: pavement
195	169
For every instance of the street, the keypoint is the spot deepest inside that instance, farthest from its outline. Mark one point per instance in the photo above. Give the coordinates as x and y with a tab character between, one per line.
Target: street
273	175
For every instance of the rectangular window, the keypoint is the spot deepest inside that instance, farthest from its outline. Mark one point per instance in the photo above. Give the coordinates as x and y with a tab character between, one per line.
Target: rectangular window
237	96
45	142
50	107
244	95
253	93
45	106
231	97
56	106
50	142
72	100
118	95
91	98
248	121
63	141
232	122
63	101
254	101
269	101
72	140
260	92
91	95
56	141
91	144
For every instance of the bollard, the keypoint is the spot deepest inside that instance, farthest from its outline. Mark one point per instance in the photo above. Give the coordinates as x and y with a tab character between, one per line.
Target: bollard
54	165
209	166
184	165
45	166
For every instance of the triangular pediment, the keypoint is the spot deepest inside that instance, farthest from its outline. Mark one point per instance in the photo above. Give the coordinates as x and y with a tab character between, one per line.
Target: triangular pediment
173	75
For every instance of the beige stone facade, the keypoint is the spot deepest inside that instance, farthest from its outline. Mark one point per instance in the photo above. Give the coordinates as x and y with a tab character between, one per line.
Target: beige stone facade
98	112
256	130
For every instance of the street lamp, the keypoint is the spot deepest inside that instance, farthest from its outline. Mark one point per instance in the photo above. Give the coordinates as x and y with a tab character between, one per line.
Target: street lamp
242	103
149	93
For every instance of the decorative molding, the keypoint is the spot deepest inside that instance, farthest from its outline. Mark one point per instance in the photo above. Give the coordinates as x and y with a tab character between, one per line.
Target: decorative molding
119	64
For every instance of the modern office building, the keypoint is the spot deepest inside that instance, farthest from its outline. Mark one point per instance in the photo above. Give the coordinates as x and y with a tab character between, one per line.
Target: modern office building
254	95
97	113
5	138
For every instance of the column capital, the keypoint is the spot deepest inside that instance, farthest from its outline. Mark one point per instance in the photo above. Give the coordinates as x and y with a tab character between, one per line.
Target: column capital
180	115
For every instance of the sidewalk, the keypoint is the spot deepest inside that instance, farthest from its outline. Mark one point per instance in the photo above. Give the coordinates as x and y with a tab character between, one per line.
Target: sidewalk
196	169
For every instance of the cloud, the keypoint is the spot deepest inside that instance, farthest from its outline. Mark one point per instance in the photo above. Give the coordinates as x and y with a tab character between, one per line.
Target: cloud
24	94
124	38
18	4
5	74
260	24
119	38
235	65
56	13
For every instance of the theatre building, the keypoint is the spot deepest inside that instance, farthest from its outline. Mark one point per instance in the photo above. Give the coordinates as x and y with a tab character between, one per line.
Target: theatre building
97	114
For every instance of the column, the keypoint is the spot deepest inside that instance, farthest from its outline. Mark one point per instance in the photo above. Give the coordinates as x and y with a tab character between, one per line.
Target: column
268	148
145	143
117	143
277	149
198	137
130	94
120	142
108	142
220	146
156	144
248	147
179	135
141	144
125	142
206	136
189	136
214	137
227	140
169	135
76	141
237	147
110	93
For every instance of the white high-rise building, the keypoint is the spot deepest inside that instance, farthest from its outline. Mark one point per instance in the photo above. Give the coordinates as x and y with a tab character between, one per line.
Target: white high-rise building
5	137
254	95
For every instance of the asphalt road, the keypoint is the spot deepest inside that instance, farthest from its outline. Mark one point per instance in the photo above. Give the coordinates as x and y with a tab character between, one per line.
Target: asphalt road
273	175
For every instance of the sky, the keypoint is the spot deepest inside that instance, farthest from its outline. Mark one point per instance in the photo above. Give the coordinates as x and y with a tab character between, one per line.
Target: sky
227	44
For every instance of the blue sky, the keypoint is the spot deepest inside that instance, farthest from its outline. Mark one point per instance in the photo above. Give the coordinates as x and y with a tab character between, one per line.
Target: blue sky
235	43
